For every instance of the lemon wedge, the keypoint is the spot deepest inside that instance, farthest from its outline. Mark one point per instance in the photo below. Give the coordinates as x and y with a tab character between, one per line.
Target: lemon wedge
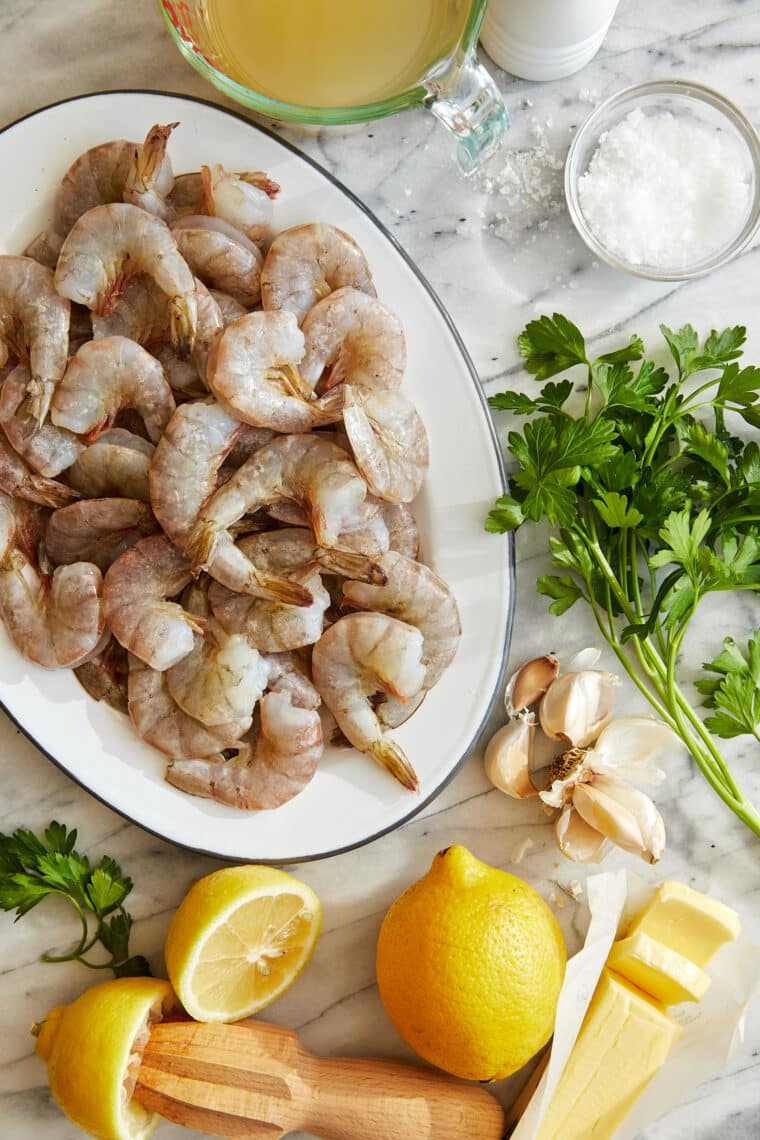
239	939
93	1049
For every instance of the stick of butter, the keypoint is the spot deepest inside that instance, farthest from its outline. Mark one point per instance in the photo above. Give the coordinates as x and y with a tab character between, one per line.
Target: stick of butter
688	922
624	1040
662	973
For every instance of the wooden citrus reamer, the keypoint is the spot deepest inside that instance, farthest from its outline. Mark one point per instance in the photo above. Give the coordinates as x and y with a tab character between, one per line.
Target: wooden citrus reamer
255	1080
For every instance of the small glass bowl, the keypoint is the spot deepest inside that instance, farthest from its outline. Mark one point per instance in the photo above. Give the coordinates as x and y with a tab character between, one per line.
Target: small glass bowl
683	99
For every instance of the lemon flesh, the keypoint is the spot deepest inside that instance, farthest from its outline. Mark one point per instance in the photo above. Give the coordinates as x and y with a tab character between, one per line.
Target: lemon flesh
93	1049
239	939
470	962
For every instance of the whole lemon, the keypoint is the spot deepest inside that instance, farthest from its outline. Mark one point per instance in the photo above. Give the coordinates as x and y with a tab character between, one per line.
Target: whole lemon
92	1049
470	961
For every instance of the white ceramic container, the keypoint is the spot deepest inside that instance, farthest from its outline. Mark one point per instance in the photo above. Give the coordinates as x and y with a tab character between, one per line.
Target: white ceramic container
545	39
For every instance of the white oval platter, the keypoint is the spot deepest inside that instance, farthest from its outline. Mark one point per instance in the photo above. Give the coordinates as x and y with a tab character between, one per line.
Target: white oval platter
350	801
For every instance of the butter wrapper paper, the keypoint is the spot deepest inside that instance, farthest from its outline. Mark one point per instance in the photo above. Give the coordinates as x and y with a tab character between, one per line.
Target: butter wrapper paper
711	1029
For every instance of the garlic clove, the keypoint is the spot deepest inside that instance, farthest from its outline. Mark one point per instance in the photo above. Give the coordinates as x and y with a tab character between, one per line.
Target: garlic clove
528	684
508	756
629	748
623	814
578	706
577	840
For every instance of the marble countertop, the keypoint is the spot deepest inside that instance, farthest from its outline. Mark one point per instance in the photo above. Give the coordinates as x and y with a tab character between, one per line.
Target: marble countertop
499	250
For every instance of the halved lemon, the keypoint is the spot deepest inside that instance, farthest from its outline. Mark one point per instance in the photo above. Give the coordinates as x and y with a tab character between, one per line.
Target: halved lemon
239	939
93	1049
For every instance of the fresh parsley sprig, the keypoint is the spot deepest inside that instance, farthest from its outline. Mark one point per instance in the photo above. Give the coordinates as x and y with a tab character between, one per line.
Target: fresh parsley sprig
655	505
31	869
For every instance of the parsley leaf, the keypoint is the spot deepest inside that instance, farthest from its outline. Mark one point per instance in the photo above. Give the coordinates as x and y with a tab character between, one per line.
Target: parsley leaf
736	694
32	868
550	345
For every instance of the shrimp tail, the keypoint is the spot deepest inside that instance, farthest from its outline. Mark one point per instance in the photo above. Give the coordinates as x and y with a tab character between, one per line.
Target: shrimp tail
357	567
391	756
183	317
47	492
261	181
34	408
282	589
331	404
150	155
202	545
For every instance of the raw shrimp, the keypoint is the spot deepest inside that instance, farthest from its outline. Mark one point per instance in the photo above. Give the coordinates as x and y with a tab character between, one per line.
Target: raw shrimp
18	480
45	248
100	174
159	721
417	596
150	178
135	594
97	530
250	439
34	327
49	450
272	626
403	535
106	376
360	655
55	622
388	440
353	339
274	764
139	311
253	370
289	673
116	465
110	244
293	548
364	531
230	308
105	677
312	471
221	256
223	676
244	200
183	474
306	263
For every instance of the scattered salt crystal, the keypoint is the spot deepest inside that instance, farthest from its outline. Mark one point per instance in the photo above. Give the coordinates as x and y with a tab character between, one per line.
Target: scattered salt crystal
575	888
664	191
520	850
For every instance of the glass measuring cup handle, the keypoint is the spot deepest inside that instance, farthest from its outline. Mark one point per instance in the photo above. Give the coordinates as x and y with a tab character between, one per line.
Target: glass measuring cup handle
468	102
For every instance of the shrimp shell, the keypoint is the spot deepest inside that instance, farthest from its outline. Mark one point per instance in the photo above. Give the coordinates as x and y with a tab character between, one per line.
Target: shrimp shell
17	480
389	442
253	370
272	626
273	765
45	248
417	596
108	245
159	721
97	530
34	326
351	338
183	473
105	376
360	655
221	256
115	466
135	593
244	200
49	450
306	263
55	622
312	471
104	677
150	178
220	680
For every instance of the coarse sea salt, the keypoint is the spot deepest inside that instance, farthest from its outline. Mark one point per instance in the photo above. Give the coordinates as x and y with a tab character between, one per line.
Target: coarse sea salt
664	191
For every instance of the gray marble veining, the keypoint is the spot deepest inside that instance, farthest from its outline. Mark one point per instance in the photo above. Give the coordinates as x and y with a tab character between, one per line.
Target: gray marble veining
499	250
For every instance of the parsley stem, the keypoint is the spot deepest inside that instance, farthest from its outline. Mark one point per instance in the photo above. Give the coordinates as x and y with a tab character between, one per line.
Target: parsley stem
82	946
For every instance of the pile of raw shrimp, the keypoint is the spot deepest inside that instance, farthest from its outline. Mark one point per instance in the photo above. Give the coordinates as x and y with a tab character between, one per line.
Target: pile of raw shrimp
206	466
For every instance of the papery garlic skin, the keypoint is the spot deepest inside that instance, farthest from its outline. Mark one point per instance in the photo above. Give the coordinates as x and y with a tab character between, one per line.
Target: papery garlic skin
507	758
623	814
578	706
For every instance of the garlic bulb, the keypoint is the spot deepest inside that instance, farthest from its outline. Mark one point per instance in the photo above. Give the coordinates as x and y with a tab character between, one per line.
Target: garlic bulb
507	758
577	706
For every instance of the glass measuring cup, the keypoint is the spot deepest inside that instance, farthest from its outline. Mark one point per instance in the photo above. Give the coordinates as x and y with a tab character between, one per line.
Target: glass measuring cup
449	80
